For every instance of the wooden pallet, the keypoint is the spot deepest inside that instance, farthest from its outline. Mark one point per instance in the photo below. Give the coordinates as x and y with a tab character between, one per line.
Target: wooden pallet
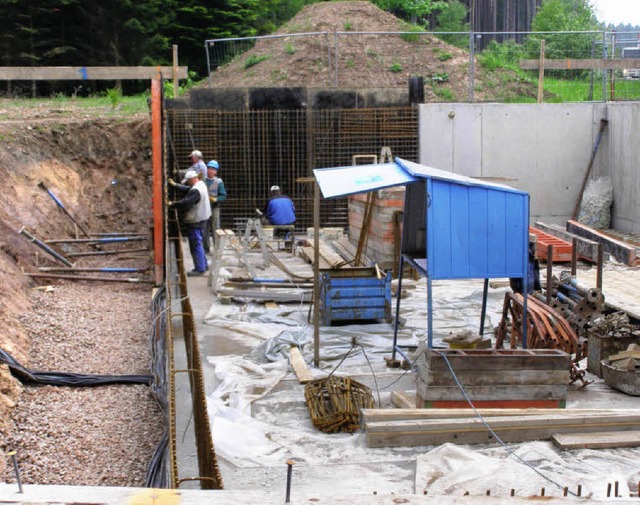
561	248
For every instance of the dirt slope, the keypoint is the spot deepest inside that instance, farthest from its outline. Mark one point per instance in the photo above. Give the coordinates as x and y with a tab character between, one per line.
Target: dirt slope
363	60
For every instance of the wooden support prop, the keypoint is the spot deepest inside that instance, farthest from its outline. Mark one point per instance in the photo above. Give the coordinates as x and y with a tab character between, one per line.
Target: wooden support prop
597	440
87	73
299	366
621	251
403	400
84	278
266	296
580	64
541	73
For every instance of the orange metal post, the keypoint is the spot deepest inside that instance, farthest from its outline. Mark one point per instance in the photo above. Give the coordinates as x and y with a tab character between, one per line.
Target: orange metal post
158	200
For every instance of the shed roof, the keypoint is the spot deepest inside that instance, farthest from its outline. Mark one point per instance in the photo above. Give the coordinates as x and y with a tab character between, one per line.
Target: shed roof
342	181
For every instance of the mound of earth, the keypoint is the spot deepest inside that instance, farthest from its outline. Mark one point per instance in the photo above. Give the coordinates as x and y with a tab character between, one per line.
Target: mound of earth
363	60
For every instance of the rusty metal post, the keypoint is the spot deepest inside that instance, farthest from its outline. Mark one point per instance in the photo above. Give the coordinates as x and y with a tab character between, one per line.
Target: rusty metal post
549	273
289	473
600	267
158	193
574	257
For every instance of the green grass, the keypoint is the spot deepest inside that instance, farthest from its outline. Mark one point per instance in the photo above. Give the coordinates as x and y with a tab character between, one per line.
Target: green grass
67	106
577	90
254	59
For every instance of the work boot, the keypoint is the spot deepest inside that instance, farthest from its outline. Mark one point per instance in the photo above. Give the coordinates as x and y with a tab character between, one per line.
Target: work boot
195	273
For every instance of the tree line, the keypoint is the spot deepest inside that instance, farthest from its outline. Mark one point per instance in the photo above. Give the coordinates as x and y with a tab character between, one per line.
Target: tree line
127	32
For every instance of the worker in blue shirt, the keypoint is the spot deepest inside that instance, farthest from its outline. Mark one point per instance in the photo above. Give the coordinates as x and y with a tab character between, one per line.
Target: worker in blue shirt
279	209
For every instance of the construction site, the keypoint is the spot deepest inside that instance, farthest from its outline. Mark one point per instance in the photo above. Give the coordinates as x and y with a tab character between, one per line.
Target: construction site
452	318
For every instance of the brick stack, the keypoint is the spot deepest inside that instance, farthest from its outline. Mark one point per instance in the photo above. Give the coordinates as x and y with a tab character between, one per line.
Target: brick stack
380	245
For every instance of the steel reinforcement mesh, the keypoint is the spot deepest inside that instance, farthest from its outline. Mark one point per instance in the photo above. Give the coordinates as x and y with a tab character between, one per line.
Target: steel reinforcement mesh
258	149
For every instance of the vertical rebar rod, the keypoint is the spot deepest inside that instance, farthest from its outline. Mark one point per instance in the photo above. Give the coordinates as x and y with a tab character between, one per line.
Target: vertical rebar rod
549	273
289	474
574	257
600	267
16	470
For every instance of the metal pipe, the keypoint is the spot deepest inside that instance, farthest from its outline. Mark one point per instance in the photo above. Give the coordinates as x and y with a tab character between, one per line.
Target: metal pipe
574	257
549	286
105	253
16	470
483	312
99	269
119	233
600	267
105	240
45	247
83	278
59	204
289	473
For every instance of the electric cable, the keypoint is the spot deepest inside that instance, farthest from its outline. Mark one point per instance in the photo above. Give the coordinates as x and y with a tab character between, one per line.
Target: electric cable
493	433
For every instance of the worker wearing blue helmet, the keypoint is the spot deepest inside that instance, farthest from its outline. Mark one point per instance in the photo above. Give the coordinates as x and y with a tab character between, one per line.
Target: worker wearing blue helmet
217	194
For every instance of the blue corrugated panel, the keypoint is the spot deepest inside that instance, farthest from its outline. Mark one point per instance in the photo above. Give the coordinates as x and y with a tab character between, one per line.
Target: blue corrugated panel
475	231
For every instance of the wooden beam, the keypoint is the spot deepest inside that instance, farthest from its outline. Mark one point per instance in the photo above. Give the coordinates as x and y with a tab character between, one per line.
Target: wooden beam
597	440
623	252
473	430
587	249
299	366
403	400
580	64
87	73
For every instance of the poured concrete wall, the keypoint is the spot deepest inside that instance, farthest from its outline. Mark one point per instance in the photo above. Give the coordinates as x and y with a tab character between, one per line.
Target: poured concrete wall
540	148
624	164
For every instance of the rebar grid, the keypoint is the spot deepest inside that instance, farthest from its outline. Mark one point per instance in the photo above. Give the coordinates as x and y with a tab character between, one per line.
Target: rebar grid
209	472
258	149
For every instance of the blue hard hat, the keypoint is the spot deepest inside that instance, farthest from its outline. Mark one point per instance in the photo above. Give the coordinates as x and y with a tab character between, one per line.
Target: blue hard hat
213	164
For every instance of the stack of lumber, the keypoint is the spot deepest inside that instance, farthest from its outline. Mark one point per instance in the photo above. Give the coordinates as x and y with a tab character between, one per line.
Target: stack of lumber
621	251
628	360
414	427
334	254
522	378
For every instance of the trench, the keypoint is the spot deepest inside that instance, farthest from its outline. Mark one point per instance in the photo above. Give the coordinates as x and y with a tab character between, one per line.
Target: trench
111	434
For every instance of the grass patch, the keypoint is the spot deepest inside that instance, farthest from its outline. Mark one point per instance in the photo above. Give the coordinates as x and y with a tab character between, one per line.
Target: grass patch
66	106
350	63
289	49
440	77
445	94
347	26
395	67
254	59
445	56
413	33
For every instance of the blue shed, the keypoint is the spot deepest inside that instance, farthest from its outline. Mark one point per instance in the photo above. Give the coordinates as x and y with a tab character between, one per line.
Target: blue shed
454	227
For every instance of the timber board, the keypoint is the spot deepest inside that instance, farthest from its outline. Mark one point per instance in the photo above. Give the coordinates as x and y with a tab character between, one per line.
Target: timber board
494	378
597	440
493	393
496	360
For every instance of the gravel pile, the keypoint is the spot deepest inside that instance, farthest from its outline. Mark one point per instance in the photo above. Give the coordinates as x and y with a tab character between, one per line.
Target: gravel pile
87	436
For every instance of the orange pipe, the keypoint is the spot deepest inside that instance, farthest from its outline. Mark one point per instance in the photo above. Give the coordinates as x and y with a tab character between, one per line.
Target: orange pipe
156	157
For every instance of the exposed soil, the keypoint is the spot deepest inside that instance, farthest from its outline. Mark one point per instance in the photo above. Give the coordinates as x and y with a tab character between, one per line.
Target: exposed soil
100	170
363	60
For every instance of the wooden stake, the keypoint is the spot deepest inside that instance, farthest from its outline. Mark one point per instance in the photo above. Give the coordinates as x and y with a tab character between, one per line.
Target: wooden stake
541	73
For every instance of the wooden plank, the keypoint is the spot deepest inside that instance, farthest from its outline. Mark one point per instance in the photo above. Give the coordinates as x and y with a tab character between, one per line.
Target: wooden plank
87	73
492	404
403	400
485	393
625	354
473	431
266	296
308	253
492	359
587	249
330	256
597	440
494	378
580	64
412	414
299	366
623	252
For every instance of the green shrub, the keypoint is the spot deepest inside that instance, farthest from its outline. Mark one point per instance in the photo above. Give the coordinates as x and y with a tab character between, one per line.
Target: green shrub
440	77
445	94
347	26
114	95
289	49
413	35
254	59
349	63
395	67
445	56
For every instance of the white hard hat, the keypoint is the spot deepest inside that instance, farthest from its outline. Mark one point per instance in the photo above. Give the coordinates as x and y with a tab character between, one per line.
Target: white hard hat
275	188
189	175
197	154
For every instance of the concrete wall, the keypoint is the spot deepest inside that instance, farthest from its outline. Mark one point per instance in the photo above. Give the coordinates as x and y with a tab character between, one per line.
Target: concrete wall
540	148
624	164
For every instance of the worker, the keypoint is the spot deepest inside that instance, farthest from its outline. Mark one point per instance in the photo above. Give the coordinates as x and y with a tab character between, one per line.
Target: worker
197	164
197	210
217	195
279	209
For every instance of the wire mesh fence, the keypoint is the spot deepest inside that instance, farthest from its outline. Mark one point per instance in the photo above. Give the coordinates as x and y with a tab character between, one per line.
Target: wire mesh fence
258	149
455	66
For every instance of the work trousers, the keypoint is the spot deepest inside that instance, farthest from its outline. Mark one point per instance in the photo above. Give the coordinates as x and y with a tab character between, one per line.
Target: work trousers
213	224
196	231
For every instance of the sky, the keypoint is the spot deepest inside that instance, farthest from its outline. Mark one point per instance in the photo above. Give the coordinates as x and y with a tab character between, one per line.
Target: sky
617	11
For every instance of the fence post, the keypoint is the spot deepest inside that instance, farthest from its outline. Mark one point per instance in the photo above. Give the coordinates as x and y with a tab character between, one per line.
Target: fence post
604	72
206	48
472	72
335	73
326	38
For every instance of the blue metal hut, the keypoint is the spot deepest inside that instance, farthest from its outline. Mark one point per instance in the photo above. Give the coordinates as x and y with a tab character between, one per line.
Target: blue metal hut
454	227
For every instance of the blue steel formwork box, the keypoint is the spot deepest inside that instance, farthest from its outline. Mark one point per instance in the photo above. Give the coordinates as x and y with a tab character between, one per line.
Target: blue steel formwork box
354	294
454	227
